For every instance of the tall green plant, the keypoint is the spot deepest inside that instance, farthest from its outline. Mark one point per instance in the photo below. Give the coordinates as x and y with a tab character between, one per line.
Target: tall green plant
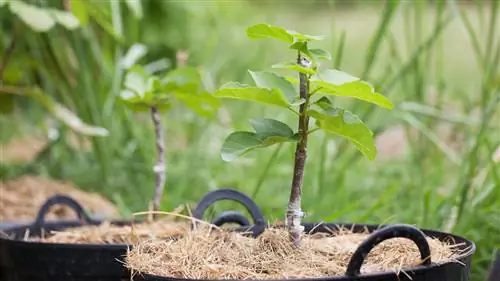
310	93
147	92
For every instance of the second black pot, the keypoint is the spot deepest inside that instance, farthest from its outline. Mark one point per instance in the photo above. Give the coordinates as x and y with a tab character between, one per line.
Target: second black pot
21	260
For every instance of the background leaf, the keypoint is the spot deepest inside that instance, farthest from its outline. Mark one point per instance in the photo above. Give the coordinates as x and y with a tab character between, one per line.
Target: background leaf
203	104
270	80
345	124
133	55
79	9
235	90
66	19
6	104
338	83
136	7
36	18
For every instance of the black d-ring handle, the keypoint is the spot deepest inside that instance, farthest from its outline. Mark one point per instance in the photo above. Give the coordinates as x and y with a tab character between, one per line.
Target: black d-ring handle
231	194
231	217
388	232
67	201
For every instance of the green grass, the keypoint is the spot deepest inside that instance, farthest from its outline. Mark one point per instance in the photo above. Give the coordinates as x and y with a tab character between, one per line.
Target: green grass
419	48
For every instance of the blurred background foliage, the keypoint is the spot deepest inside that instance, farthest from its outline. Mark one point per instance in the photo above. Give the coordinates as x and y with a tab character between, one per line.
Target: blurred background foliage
438	164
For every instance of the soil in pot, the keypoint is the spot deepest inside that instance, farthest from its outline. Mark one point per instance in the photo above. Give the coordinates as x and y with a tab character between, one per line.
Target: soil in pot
213	253
22	197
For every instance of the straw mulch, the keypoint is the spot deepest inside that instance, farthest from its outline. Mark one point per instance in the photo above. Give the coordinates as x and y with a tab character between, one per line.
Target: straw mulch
21	150
219	254
21	199
106	233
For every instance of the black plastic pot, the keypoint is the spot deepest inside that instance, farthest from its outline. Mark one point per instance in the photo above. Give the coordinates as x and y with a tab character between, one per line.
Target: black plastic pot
494	272
427	271
34	261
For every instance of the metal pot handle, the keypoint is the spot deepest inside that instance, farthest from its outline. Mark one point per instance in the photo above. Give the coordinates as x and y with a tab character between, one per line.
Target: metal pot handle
67	201
231	194
231	217
388	232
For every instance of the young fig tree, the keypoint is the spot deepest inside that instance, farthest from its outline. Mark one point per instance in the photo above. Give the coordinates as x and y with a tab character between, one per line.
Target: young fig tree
145	92
307	97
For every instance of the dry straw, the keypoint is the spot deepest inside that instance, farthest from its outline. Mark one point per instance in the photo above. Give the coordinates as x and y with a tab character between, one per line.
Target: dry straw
214	253
21	199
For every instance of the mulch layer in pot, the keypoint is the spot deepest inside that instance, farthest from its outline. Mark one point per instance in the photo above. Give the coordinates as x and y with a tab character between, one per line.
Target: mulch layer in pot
327	251
84	249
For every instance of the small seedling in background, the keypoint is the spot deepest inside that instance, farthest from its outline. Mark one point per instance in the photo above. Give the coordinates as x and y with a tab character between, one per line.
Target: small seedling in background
314	88
145	92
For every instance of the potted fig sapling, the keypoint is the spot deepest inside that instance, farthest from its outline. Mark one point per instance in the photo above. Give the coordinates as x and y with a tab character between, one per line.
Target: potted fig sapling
93	248
300	250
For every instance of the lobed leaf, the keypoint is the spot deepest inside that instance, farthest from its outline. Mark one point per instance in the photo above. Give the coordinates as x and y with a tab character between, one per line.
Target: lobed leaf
341	122
236	90
267	132
338	83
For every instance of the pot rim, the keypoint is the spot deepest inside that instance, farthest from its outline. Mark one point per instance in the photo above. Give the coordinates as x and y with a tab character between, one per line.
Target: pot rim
76	223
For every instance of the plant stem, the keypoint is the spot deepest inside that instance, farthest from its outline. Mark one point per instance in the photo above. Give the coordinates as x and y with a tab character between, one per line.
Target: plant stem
294	213
159	168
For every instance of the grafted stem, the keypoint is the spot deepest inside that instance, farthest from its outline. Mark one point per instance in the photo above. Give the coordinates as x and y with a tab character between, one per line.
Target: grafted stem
159	168
294	213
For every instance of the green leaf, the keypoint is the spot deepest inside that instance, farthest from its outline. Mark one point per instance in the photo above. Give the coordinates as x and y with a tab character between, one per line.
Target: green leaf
266	128
6	104
38	19
295	67
136	7
66	19
262	31
338	83
267	133
320	54
236	90
3	2
203	104
239	143
79	9
57	110
187	79
136	81
270	80
341	122
133	55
